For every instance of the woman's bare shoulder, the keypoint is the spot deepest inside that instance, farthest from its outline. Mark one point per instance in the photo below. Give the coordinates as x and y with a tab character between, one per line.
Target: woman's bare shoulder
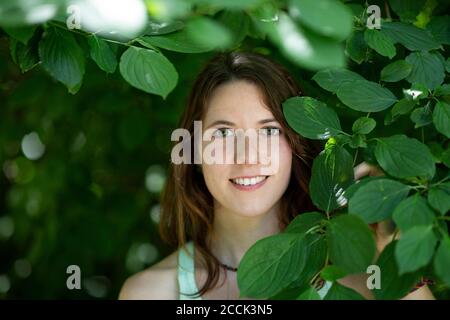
158	282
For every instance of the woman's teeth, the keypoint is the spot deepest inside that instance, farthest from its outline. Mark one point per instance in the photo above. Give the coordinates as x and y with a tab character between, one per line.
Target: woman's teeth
248	181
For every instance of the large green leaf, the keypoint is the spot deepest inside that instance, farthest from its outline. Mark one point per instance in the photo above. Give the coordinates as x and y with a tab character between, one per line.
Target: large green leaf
396	71
380	42
404	157
304	222
439	197
415	248
439	27
409	36
180	41
278	258
332	173
413	211
376	200
331	79
351	243
207	32
392	285
441	118
340	292
366	96
311	118
442	260
427	69
102	54
149	71
62	57
304	47
315	14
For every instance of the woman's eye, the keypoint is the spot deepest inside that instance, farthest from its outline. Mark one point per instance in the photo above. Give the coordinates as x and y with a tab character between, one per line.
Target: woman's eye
223	132
270	131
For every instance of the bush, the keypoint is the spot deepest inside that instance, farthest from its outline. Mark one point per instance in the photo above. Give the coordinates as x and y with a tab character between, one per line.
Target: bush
373	93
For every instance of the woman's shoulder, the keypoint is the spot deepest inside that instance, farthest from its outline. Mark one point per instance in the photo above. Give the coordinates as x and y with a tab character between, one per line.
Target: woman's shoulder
158	282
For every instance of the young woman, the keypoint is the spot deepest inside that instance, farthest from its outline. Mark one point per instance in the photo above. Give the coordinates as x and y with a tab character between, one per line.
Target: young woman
213	213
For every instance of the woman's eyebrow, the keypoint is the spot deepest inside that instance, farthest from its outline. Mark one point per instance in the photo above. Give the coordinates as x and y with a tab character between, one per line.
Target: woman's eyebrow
229	123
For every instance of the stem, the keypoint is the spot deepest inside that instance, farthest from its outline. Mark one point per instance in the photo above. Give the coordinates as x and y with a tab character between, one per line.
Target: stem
356	156
83	33
444	218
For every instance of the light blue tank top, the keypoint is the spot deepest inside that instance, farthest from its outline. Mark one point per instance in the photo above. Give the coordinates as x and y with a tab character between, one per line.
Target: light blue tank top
186	275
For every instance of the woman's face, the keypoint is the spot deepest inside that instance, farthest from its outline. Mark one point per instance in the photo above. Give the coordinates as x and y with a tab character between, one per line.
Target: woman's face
249	187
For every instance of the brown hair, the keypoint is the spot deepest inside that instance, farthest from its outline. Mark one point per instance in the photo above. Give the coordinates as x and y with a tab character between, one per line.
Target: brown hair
187	205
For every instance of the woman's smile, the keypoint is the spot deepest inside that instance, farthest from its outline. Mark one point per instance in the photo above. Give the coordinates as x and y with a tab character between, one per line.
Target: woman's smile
248	183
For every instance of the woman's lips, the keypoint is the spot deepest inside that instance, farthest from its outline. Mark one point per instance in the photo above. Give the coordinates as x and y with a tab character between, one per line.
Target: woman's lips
249	187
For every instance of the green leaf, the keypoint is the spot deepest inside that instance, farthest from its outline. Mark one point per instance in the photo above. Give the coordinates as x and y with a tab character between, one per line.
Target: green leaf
280	258
102	54
366	96
332	79
26	56
351	243
376	200
439	197
315	249
309	294
207	32
404	157
179	41
403	106
415	248
303	47
439	27
392	285
332	173
443	90
364	125
356	47
304	222
22	34
380	42
396	71
149	71
315	14
237	22
427	69
409	36
413	211
421	117
332	273
311	118
155	28
358	141
339	292
62	57
442	260
407	10
441	118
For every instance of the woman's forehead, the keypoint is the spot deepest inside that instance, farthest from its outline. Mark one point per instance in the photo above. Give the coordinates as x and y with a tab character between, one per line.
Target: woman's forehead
237	99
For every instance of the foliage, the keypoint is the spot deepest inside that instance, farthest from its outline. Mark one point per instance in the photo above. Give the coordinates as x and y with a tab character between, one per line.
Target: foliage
379	95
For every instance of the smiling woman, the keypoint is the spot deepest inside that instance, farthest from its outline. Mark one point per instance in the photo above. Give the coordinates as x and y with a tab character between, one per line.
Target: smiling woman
221	210
215	213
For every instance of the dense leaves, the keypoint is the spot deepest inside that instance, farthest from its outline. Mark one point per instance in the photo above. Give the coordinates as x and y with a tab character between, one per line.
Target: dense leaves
379	95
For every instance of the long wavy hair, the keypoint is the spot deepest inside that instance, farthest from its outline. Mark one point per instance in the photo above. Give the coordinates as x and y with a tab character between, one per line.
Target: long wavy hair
187	211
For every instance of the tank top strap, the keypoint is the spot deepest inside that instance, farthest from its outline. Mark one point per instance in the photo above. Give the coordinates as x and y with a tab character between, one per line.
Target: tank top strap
186	272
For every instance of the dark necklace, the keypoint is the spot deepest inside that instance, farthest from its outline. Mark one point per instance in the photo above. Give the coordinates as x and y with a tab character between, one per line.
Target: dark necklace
228	267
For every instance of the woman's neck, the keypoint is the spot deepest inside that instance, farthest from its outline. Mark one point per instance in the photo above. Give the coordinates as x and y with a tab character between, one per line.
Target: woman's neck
234	234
